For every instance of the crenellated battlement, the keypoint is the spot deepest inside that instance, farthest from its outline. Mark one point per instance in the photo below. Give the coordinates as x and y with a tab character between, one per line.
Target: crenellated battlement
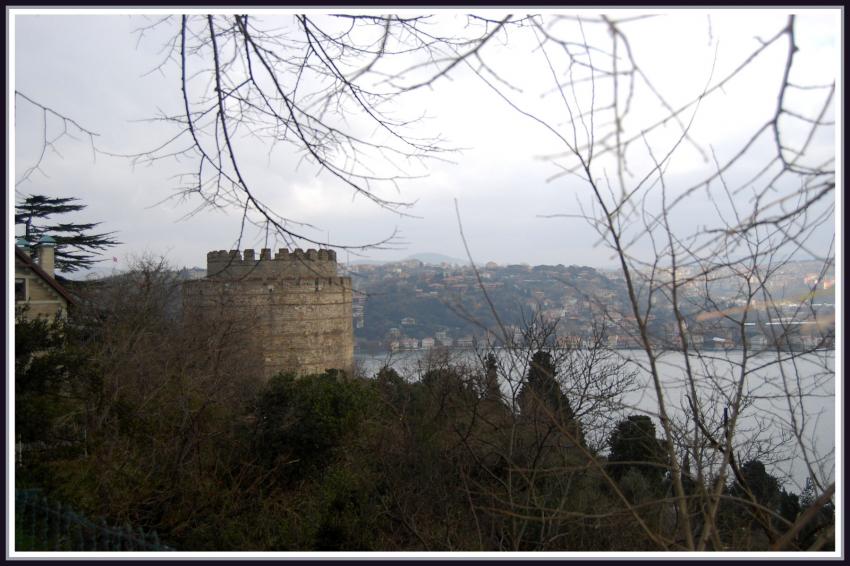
284	264
282	254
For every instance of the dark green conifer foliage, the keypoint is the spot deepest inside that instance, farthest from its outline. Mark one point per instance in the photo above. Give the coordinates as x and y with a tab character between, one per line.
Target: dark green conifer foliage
541	387
491	378
75	244
632	443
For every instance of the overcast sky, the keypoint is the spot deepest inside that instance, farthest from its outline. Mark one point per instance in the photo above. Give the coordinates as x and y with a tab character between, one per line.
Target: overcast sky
96	70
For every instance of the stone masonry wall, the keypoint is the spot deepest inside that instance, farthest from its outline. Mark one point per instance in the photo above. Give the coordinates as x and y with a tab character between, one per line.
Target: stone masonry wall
297	306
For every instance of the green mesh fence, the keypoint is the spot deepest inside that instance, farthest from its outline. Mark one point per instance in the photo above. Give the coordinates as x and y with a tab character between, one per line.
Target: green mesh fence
44	525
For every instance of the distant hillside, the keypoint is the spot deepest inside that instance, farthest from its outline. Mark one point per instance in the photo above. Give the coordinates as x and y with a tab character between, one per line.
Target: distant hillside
192	273
418	301
436	259
427	258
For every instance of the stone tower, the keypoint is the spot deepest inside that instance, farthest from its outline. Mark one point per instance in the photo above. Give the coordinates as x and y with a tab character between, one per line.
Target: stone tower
295	307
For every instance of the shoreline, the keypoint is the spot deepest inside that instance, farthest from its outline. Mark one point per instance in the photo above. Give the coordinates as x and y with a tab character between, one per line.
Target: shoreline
382	353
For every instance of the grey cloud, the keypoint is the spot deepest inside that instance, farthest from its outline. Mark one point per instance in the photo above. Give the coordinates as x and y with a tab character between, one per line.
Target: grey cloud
90	68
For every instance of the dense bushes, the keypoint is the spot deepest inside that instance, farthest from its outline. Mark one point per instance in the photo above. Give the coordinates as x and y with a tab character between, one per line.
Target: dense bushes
168	427
304	420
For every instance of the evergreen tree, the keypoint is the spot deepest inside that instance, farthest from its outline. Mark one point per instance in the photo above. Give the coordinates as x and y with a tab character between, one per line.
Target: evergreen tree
824	519
542	387
75	244
55	381
491	378
542	399
763	486
633	442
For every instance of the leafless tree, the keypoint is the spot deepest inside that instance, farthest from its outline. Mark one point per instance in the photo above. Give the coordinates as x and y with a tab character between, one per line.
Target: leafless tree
173	390
761	224
327	88
55	127
717	410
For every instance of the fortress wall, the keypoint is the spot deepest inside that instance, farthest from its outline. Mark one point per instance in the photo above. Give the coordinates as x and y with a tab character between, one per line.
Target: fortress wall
303	321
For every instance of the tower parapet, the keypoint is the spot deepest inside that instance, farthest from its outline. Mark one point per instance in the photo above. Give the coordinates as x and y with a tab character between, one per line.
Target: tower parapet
232	264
